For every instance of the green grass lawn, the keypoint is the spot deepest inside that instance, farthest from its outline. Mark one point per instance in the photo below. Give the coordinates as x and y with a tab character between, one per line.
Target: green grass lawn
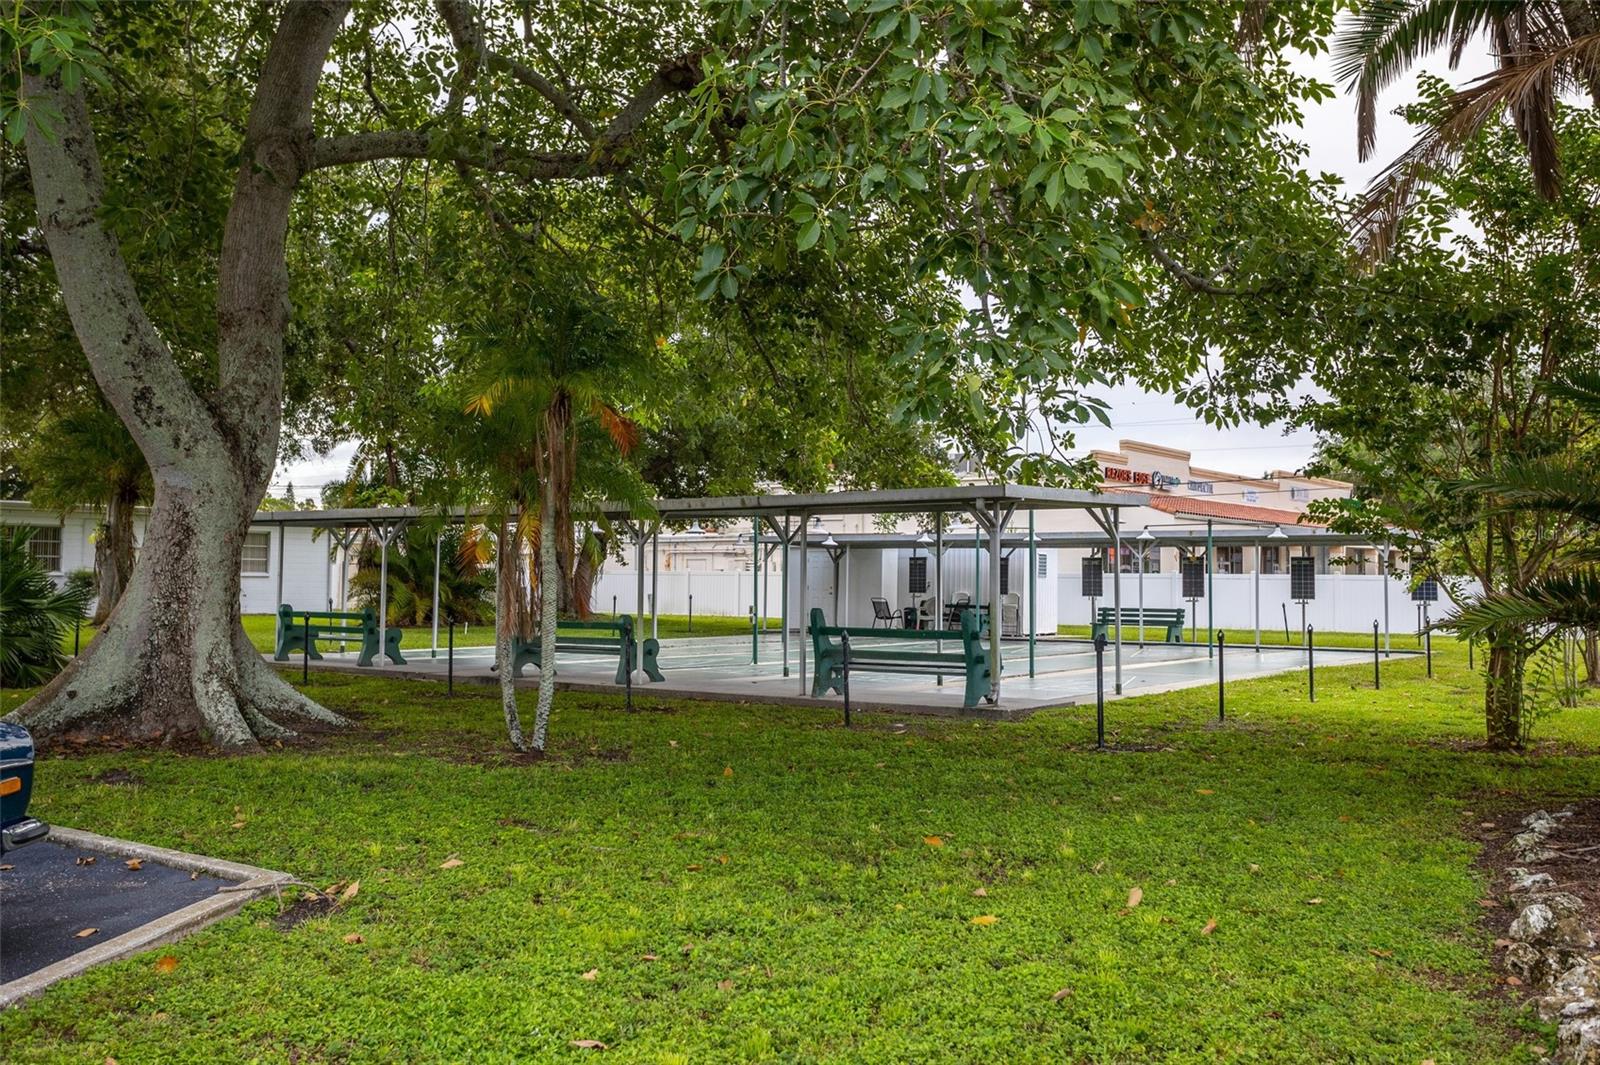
710	882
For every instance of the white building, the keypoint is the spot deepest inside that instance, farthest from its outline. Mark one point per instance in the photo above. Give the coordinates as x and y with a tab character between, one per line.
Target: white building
294	570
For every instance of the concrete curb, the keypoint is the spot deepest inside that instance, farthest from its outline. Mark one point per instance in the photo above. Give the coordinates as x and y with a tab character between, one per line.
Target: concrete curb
249	883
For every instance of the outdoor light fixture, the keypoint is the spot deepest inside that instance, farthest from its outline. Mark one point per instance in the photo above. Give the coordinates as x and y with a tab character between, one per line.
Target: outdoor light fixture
924	540
1146	537
830	541
1277	534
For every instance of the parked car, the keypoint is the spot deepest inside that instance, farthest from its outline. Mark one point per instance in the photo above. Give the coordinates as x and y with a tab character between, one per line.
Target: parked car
16	786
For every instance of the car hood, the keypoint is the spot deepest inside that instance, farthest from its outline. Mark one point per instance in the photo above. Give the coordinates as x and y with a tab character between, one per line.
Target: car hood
14	742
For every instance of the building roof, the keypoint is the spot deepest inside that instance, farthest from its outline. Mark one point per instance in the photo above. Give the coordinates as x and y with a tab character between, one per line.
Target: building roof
1200	507
953	498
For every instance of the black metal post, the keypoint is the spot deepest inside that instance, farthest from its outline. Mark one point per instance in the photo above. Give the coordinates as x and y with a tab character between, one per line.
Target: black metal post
1285	622
1427	639
1377	678
1469	654
450	662
1311	665
613	608
77	631
1222	699
1100	691
844	674
691	611
305	649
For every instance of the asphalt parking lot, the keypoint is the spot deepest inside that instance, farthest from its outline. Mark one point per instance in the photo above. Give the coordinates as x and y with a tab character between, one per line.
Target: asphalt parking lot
51	893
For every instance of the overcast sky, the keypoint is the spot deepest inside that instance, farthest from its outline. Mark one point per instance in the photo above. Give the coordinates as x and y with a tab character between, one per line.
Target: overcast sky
1330	136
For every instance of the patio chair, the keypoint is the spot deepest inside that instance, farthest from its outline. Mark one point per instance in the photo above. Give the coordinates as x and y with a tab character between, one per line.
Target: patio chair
1011	614
952	619
881	612
927	607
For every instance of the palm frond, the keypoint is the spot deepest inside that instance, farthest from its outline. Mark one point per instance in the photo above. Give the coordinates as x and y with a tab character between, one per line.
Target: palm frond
1522	89
1385	38
1542	484
1582	389
1568	600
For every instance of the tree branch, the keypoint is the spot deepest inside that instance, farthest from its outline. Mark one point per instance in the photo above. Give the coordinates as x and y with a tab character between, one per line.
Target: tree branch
1183	273
467	34
348	148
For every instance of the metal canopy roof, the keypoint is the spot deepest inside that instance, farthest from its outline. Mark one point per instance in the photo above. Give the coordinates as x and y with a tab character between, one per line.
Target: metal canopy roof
871	501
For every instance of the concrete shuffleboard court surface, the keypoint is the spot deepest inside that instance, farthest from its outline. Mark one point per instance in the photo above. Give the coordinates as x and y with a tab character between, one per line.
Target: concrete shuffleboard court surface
719	668
133	897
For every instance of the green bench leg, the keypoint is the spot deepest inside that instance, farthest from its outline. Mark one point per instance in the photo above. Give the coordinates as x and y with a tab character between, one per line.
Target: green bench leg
977	684
1174	633
1097	629
827	675
391	646
291	642
652	669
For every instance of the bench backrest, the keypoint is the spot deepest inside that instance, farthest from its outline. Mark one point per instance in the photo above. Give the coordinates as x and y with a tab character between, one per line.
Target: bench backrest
288	615
1161	615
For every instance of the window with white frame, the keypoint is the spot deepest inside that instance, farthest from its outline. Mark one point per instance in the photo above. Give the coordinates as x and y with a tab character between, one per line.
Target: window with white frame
1230	560
257	550
45	546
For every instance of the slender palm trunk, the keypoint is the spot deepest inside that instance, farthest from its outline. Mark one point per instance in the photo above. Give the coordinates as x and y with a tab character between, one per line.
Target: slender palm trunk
549	614
113	550
1591	658
508	622
1503	694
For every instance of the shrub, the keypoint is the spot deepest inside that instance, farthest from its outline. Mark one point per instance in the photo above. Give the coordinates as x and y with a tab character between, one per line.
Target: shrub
35	615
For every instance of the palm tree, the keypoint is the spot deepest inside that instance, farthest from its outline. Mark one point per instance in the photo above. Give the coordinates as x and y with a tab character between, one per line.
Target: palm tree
35	615
1544	48
1568	600
544	400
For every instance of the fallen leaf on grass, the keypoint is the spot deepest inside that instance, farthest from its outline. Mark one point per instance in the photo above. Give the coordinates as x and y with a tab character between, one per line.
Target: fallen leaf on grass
1488	904
1204	791
727	771
672	743
587	1044
1211	926
134	864
84	933
985	919
237	824
1135	896
354	937
933	841
647	957
695	868
724	985
451	862
1502	942
722	859
592	974
1254	868
1059	995
166	963
1313	902
980	893
350	891
1376	953
1513	981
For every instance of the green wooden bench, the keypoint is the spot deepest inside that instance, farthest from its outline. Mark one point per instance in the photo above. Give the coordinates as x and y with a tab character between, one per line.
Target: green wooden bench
335	626
620	642
1169	618
871	651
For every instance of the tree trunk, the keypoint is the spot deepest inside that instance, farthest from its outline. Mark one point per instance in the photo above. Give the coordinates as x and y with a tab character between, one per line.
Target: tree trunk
173	660
1503	694
549	614
113	550
509	620
1591	658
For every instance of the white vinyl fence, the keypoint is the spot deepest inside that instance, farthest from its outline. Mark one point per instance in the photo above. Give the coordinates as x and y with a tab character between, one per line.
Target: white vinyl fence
1345	602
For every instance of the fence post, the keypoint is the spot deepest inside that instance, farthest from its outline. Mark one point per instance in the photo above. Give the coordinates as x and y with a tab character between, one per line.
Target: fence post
613	608
1100	691
691	611
305	649
1311	665
844	671
450	662
1377	678
1427	639
1222	699
77	631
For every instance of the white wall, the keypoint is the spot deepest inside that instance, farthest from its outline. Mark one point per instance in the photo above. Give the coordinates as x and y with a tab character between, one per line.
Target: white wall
305	563
1344	603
